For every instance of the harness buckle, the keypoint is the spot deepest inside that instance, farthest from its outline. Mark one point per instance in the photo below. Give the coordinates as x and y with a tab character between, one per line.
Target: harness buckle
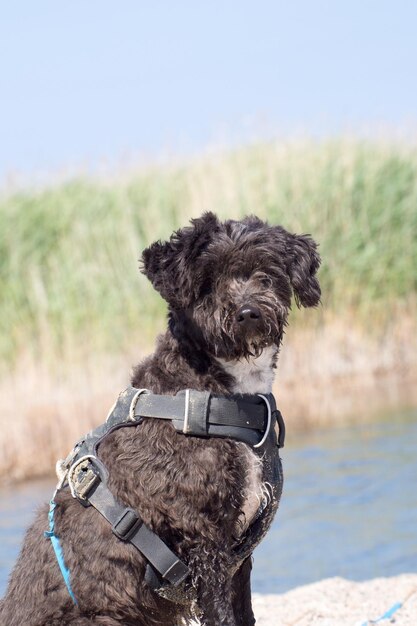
280	424
132	416
185	429
127	524
83	476
269	421
196	406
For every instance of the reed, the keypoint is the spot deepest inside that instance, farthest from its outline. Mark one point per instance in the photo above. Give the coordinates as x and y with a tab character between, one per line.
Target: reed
69	277
75	311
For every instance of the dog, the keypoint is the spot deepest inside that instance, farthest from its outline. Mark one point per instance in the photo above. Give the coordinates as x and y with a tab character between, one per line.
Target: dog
228	286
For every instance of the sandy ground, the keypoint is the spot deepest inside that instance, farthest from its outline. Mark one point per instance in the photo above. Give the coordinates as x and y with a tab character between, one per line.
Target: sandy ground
340	602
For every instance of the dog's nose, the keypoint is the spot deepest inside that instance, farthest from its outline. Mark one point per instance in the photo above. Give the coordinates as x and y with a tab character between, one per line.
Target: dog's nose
248	315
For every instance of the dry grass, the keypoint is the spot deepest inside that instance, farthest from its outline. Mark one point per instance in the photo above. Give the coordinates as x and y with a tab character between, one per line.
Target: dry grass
326	376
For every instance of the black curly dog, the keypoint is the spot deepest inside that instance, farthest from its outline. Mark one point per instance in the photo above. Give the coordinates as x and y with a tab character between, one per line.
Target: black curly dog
228	286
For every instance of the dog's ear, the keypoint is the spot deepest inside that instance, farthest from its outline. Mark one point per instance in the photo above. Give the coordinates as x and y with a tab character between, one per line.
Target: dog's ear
303	261
171	265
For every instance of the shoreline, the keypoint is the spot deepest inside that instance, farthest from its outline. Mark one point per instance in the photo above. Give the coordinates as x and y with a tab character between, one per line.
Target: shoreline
37	413
330	376
341	602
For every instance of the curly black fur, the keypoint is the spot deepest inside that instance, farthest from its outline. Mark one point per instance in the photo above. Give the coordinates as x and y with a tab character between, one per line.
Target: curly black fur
190	491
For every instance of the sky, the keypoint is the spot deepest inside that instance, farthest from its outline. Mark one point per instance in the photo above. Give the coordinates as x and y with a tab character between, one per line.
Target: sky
87	82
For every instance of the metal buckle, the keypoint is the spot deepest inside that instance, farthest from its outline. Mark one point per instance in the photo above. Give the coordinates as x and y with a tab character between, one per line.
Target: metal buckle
127	524
83	475
195	417
280	424
132	417
185	428
268	426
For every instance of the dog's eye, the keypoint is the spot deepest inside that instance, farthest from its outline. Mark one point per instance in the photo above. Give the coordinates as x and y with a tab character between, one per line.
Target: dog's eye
266	282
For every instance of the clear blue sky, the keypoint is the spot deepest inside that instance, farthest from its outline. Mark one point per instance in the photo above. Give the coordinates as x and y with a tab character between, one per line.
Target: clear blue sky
83	81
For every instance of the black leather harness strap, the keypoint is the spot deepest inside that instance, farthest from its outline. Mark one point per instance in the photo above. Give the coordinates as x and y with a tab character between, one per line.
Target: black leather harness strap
87	480
201	414
247	418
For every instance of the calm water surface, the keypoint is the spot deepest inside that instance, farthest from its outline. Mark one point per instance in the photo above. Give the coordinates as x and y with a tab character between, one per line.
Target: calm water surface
349	508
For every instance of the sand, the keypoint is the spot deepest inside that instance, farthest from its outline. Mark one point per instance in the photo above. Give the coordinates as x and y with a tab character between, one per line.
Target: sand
340	602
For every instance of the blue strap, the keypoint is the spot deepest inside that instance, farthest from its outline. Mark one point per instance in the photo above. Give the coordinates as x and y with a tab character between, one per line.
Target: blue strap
50	534
386	615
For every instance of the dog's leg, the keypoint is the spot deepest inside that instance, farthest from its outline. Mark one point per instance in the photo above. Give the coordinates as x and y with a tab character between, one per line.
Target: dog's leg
242	599
216	607
212	581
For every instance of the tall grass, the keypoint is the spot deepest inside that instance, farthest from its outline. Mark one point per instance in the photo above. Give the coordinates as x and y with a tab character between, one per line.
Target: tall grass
69	280
75	312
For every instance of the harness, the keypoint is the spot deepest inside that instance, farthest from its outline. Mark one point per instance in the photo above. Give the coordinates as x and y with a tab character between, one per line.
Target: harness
249	418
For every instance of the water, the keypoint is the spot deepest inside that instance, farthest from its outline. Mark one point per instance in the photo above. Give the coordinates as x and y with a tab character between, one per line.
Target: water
349	508
17	506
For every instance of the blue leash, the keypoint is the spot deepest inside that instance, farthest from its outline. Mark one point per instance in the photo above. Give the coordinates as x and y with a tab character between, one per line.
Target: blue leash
50	534
386	615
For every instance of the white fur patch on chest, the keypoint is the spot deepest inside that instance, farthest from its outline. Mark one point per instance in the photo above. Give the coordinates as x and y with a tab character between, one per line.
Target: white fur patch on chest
253	375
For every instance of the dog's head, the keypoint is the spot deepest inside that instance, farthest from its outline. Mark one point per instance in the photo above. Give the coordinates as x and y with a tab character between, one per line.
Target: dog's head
230	283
